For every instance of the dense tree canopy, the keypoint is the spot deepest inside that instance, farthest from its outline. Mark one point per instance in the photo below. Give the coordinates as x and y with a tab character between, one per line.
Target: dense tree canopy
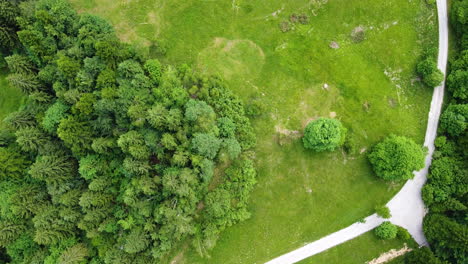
112	157
324	134
396	157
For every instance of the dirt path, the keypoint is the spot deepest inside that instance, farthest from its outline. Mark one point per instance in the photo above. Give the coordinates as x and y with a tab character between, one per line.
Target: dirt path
407	207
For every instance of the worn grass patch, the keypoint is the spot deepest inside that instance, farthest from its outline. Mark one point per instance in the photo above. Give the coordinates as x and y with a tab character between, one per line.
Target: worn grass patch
10	98
300	196
232	59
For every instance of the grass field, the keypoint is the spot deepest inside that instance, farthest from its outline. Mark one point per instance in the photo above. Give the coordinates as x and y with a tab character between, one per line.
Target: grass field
372	88
359	250
10	98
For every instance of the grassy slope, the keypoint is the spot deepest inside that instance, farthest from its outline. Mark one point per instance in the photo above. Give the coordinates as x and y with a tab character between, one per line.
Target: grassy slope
300	196
359	250
10	98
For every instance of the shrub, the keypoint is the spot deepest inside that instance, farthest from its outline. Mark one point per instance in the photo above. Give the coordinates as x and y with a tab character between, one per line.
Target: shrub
396	157
324	134
383	211
429	72
386	230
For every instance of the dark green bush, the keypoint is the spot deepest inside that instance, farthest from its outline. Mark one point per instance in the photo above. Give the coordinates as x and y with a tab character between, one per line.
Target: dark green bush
324	134
386	230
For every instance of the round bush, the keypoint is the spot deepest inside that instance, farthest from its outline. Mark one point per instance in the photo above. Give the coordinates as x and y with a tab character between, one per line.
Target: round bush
396	158
386	230
324	134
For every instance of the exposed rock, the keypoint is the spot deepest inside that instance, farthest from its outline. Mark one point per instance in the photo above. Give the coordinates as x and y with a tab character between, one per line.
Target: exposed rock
334	45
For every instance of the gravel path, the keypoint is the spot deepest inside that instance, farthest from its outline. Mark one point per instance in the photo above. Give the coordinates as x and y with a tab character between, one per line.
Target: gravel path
407	207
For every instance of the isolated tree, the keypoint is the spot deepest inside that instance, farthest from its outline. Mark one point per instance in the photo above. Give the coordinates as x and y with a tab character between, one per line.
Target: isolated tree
396	157
324	134
429	72
386	230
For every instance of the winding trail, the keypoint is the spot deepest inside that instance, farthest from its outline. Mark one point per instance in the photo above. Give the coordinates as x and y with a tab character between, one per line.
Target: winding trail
407	207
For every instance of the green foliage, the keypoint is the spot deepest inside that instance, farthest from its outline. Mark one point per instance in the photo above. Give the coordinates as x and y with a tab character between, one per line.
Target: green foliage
8	25
232	147
12	164
227	128
206	144
54	114
454	119
74	255
383	211
324	134
386	230
447	237
429	72
154	70
112	157
396	157
445	192
19	64
31	139
422	255
403	234
27	83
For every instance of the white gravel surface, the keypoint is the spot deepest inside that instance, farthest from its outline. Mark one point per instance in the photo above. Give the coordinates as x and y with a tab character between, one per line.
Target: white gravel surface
407	207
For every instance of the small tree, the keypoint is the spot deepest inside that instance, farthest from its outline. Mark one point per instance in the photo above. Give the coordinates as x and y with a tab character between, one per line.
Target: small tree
386	230
383	211
324	134
429	72
396	158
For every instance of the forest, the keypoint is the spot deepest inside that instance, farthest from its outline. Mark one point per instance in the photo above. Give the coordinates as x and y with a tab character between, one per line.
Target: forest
114	157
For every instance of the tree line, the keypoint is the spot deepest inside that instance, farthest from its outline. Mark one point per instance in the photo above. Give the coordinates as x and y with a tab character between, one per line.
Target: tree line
446	191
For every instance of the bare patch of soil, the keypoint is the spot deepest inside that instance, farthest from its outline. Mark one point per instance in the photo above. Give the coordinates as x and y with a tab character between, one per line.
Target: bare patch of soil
387	256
